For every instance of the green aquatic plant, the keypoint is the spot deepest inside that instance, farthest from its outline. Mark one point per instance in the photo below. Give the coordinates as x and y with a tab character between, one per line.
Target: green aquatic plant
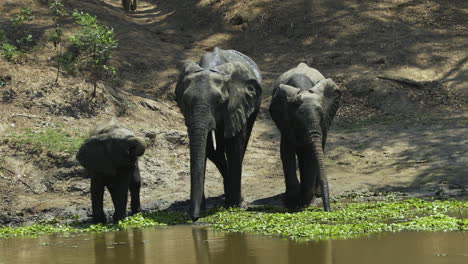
142	220
346	221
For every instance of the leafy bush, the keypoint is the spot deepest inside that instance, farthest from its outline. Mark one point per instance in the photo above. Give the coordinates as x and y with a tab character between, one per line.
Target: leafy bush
25	15
95	43
56	36
10	52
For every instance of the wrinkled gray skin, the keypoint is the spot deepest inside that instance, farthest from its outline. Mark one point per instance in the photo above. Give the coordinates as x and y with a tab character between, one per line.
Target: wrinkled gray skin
221	93
130	5
303	106
110	156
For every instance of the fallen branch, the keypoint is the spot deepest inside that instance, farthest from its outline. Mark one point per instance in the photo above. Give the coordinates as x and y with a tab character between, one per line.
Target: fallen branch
403	81
20	180
25	115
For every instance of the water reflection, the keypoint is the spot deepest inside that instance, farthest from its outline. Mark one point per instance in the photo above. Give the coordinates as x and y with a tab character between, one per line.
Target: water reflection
187	244
120	247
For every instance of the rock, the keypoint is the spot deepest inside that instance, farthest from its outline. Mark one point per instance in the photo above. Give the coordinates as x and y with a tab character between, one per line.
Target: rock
383	95
237	20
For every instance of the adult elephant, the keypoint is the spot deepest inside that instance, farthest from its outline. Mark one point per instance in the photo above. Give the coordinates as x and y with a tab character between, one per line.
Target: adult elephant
219	98
130	5
110	156
303	106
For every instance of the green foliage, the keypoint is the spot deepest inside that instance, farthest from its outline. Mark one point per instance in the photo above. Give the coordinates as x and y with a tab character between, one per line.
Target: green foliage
155	219
25	41
4	81
25	15
346	221
55	36
95	43
49	139
10	52
57	9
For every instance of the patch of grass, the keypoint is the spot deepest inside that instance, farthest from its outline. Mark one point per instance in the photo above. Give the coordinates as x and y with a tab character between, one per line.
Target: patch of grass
49	139
465	123
346	221
142	220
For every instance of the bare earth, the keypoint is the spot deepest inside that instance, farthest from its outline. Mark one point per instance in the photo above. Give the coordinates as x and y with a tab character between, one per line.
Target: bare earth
388	136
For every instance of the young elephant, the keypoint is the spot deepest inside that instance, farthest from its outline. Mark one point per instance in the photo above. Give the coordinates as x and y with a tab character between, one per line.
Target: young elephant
110	156
303	106
219	98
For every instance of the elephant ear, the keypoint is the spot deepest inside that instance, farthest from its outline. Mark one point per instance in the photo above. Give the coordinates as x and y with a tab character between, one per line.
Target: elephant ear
244	97
284	96
137	146
188	67
94	155
331	98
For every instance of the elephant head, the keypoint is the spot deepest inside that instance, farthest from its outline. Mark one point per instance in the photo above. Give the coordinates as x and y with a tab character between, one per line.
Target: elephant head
217	99
304	116
105	153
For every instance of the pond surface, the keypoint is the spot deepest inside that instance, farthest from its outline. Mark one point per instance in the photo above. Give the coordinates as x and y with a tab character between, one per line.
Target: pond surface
188	244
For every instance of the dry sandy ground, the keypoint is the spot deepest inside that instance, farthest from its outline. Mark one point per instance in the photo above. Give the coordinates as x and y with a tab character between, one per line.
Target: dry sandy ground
419	149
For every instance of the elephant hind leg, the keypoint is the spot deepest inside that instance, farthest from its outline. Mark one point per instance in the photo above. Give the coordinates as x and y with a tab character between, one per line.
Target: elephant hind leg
97	197
119	193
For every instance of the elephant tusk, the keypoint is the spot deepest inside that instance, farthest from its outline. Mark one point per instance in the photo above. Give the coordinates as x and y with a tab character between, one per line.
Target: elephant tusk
213	136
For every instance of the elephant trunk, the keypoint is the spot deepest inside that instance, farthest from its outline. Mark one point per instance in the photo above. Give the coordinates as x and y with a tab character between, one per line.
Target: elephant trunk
322	180
198	133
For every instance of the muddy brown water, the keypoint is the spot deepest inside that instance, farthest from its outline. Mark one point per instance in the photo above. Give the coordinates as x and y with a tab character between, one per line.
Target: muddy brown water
188	244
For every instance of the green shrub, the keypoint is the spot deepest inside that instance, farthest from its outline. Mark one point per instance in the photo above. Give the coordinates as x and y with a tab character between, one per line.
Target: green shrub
25	15
95	43
10	52
56	36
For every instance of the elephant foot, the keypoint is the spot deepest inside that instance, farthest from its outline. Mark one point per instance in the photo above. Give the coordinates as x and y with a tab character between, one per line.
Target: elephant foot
230	203
99	219
117	217
291	201
136	211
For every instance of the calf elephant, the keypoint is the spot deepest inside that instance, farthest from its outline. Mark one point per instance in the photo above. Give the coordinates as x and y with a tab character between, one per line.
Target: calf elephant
110	156
130	5
303	106
219	98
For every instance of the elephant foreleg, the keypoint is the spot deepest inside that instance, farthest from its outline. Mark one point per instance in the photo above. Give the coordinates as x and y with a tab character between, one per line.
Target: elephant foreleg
135	186
288	159
308	167
218	157
232	183
97	197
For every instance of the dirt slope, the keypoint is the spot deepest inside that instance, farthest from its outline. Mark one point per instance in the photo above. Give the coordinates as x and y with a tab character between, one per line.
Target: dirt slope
388	136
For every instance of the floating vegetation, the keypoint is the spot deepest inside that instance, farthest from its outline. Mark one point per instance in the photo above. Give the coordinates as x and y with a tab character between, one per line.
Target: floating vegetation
347	220
142	220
